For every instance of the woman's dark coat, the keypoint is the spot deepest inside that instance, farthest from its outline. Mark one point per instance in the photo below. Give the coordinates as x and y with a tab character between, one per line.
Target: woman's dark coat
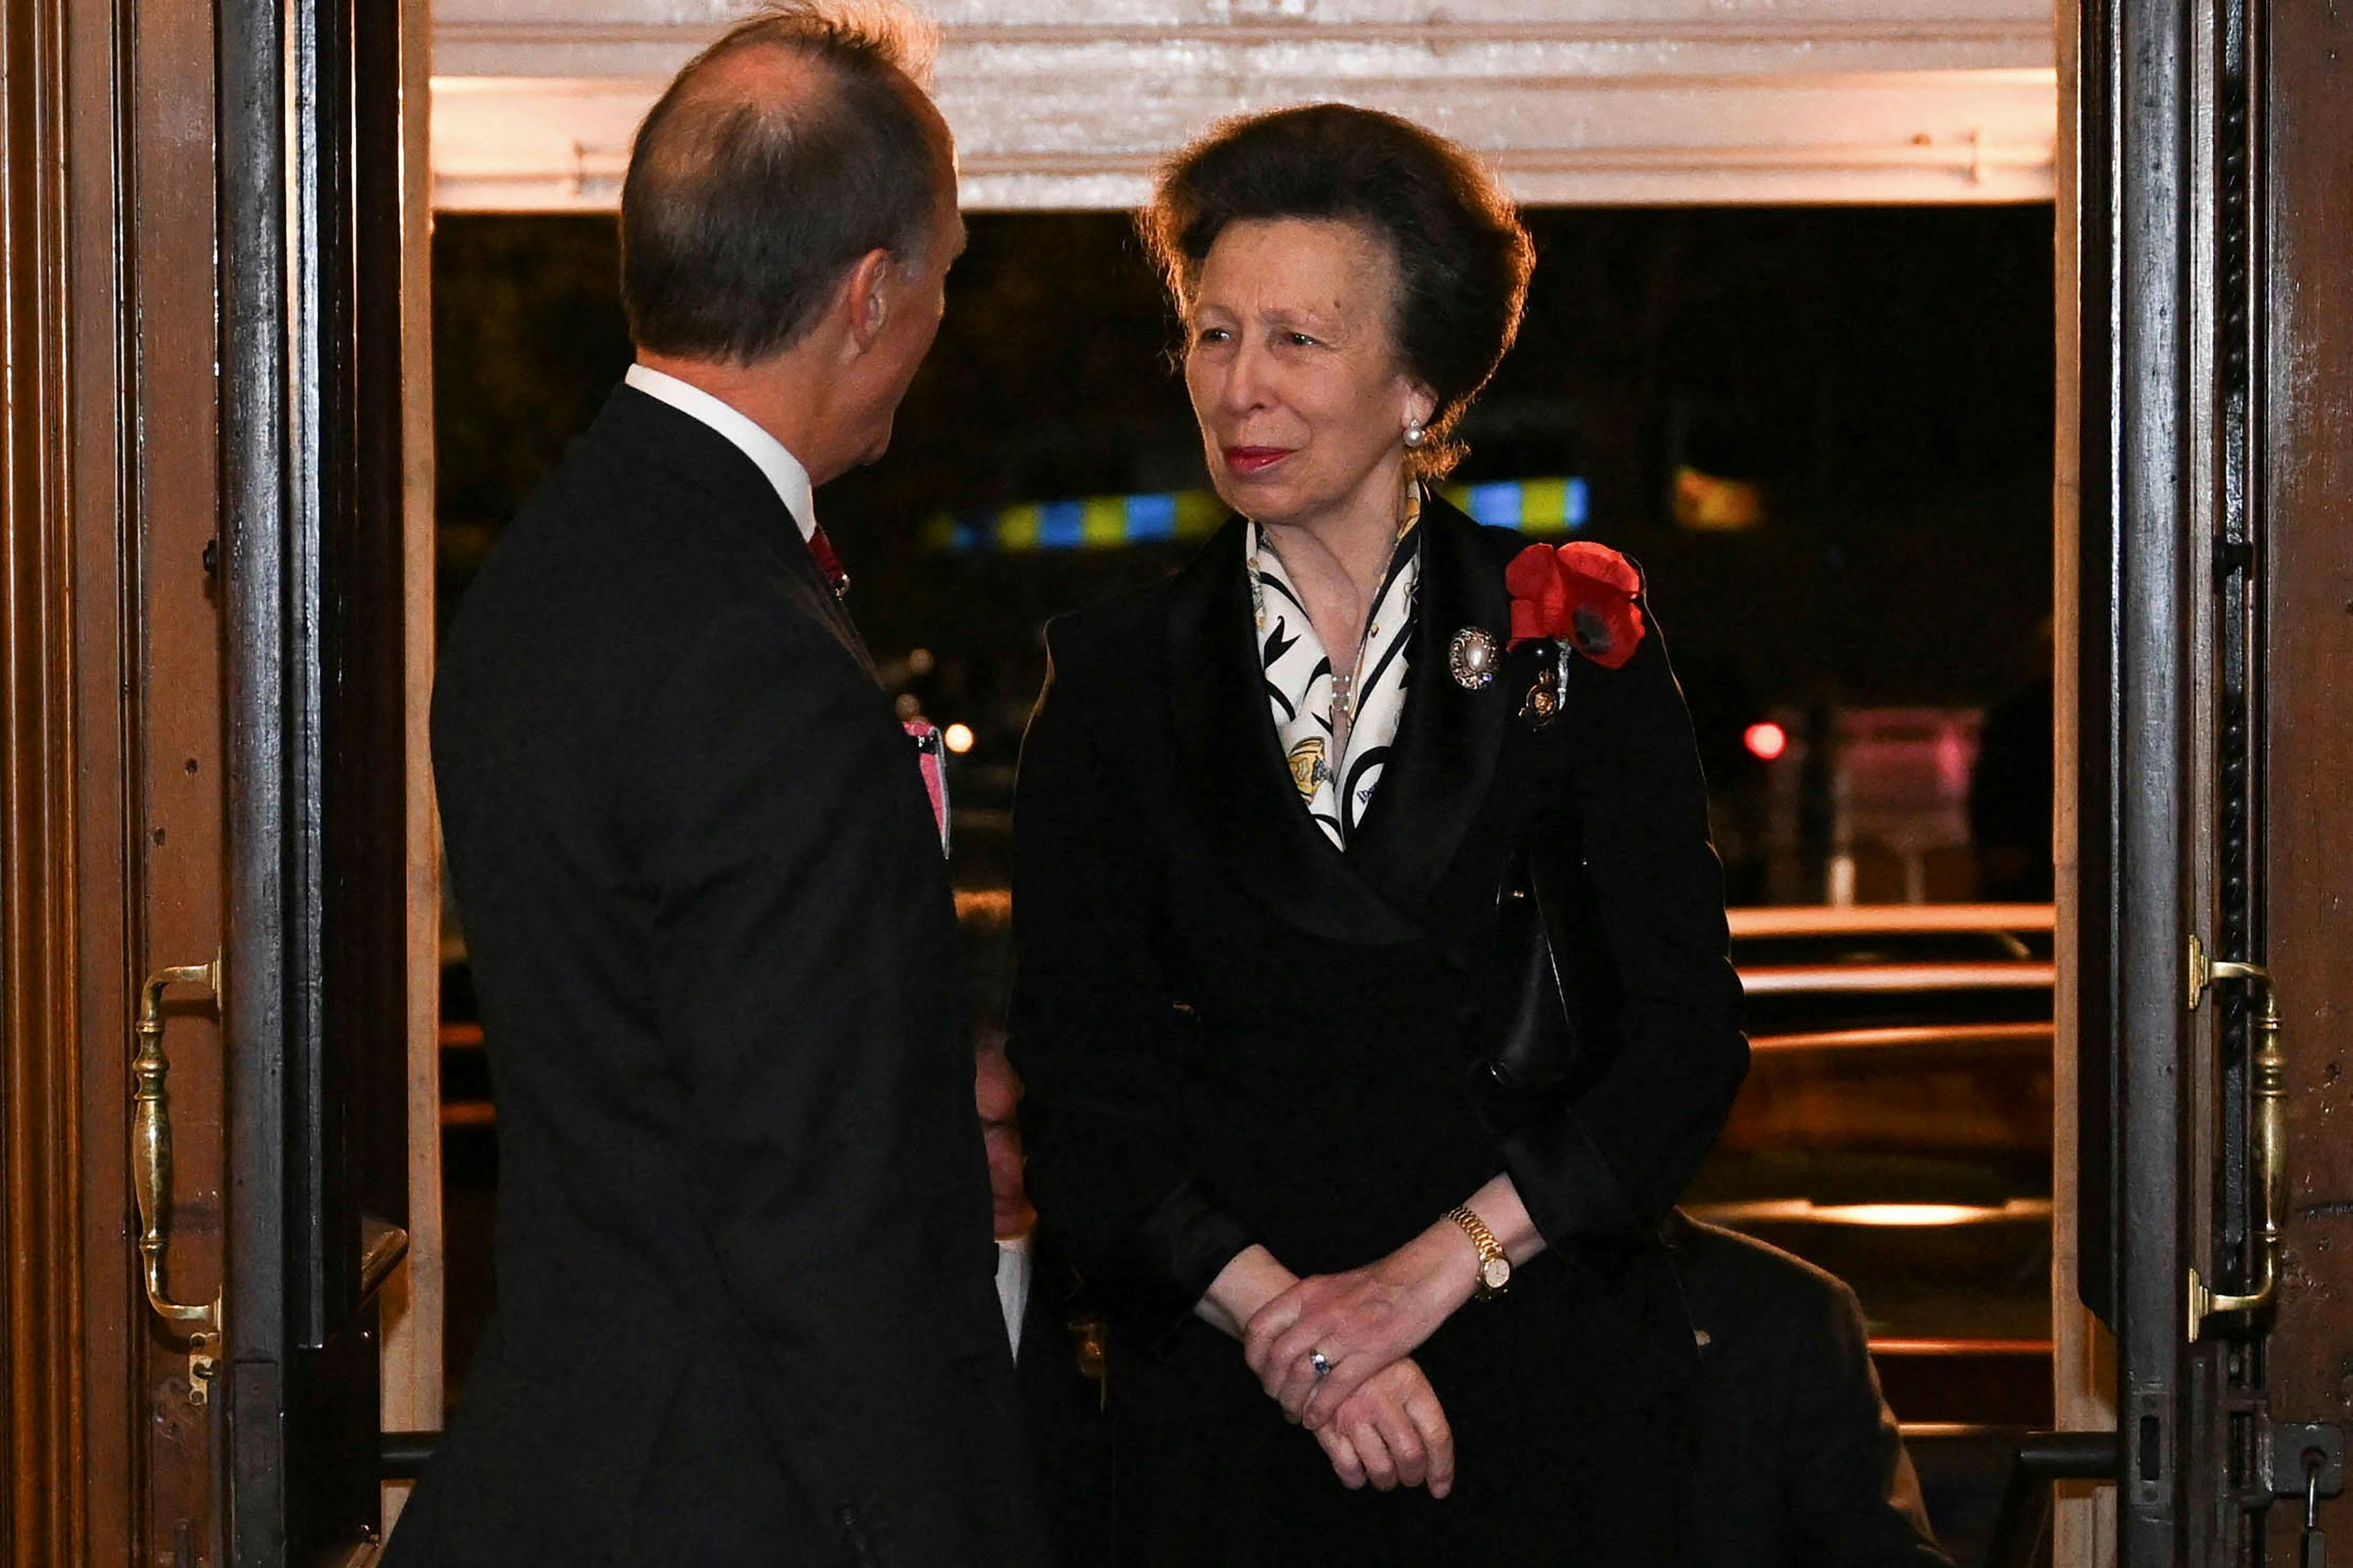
1233	1033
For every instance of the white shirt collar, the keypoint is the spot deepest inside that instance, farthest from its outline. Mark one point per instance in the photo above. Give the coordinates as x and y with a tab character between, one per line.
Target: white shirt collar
784	470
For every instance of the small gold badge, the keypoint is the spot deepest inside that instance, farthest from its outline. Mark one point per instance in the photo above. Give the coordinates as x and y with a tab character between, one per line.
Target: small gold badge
1543	698
1473	658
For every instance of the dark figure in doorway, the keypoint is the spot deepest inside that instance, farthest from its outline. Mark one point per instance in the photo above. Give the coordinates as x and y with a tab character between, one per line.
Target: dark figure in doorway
1798	1462
745	1312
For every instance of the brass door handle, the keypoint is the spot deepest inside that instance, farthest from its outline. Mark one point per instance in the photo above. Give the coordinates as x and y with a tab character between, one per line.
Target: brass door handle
2270	1091
151	1160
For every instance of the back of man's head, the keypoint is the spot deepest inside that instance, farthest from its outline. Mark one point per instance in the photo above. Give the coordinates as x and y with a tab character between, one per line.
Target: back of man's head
798	142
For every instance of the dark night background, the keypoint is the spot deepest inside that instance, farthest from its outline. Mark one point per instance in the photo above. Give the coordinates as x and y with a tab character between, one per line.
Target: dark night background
1884	375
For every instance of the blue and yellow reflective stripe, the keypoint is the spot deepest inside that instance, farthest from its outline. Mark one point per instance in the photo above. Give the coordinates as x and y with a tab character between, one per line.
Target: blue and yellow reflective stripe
1534	507
1102	521
1198	513
1148	519
1016	527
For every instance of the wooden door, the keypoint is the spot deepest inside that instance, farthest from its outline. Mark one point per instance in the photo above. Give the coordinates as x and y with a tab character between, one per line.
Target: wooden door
2303	208
2145	615
2217	750
203	1112
115	773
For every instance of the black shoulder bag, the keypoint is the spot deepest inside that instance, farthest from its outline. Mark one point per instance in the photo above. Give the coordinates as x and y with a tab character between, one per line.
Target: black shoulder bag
1529	1044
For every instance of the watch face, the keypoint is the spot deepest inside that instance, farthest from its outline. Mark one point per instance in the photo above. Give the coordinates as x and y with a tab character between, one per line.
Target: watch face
1496	1272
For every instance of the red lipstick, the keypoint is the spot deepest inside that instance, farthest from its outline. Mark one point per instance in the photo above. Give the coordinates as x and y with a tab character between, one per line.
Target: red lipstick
1255	459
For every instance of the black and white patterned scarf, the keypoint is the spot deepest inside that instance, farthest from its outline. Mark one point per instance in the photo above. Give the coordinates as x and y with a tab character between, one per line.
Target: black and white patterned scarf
1337	743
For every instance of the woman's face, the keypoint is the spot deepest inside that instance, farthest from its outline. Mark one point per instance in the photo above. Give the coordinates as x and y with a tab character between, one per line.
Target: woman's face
1291	367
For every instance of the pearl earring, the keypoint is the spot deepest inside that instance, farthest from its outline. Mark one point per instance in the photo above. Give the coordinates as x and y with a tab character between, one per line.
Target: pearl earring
1414	437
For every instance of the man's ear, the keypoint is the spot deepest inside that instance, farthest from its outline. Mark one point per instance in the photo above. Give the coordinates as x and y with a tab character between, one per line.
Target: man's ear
869	295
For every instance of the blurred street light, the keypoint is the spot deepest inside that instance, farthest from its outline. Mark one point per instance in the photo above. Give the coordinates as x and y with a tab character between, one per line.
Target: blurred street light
1766	742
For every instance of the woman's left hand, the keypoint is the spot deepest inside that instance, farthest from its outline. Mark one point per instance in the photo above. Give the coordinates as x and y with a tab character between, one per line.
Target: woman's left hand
1360	1322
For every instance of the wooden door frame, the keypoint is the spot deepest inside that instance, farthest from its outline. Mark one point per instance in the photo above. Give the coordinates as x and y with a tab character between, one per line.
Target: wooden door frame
319	689
2155	520
415	1370
2084	1353
96	1432
2161	739
45	1501
89	1439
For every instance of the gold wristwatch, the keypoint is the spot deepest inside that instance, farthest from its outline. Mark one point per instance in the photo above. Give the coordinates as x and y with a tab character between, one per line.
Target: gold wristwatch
1494	1268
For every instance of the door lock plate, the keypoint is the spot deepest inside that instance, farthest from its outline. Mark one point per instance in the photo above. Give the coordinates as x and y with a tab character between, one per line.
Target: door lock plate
202	1366
2289	1441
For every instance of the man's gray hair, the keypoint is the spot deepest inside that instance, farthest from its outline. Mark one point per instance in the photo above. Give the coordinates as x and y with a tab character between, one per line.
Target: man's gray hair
797	143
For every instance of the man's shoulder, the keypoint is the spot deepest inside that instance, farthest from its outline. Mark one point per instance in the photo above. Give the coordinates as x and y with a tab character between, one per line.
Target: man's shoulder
610	577
1766	1285
640	459
638	511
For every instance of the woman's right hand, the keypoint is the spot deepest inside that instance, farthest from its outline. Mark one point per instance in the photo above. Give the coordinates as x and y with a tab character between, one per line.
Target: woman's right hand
1391	1432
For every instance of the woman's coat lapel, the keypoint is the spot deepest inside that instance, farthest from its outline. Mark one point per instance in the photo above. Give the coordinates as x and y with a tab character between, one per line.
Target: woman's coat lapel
1445	754
1439	771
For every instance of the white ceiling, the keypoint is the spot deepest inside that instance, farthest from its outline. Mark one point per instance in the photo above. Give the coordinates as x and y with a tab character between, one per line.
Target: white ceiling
1576	101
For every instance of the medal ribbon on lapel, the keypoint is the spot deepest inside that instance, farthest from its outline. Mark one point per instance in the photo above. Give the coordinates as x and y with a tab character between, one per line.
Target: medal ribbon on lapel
828	563
932	761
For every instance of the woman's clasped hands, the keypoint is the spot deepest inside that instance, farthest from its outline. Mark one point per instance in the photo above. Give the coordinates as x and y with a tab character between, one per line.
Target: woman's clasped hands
1335	1351
1392	1432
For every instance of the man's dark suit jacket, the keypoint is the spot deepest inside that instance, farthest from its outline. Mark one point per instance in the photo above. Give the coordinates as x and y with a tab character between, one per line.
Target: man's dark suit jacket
745	1307
1799	1462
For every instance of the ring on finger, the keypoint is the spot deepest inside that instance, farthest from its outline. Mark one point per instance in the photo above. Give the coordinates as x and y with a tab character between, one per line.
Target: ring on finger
1321	1362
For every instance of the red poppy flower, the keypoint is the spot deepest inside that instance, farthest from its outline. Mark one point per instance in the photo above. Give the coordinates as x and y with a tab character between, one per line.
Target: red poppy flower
1581	591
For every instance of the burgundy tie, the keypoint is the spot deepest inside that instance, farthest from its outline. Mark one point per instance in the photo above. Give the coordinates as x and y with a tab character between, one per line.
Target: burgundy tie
820	551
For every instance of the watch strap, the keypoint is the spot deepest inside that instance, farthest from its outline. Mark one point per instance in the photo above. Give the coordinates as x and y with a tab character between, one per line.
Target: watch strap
1491	1251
